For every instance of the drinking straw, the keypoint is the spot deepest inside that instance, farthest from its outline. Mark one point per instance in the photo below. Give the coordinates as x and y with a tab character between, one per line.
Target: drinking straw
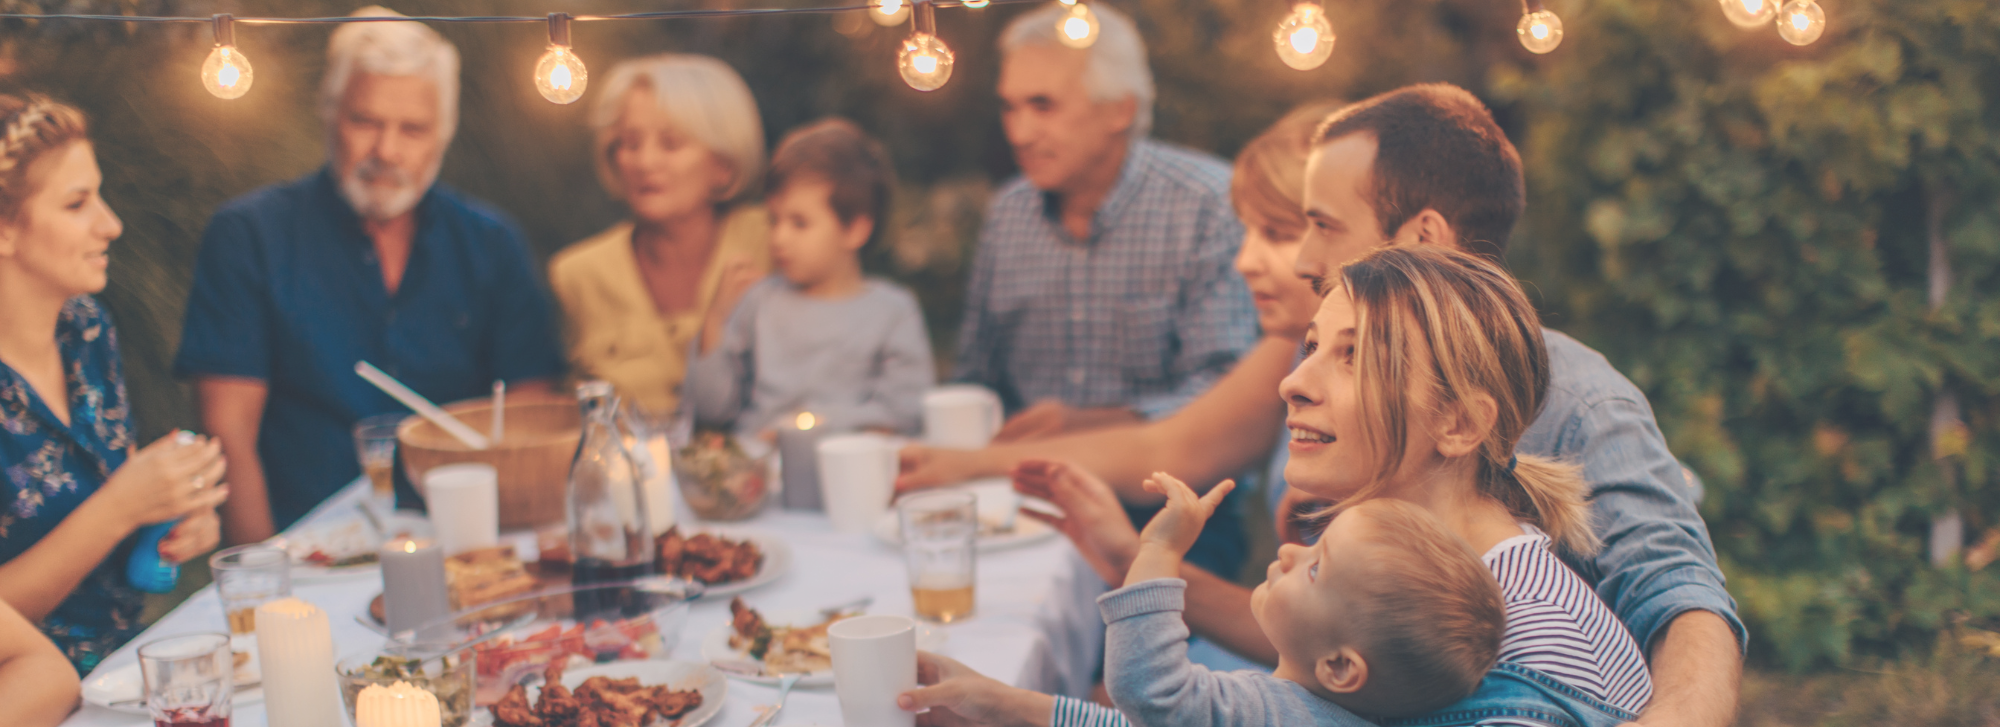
499	428
422	406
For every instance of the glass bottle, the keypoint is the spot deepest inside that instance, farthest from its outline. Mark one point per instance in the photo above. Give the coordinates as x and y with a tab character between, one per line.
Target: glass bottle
608	534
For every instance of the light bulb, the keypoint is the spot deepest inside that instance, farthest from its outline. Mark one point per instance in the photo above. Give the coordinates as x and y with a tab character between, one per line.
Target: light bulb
1078	27
1801	22
976	4
1304	39
227	72
1541	31
560	75
924	61
889	13
1749	13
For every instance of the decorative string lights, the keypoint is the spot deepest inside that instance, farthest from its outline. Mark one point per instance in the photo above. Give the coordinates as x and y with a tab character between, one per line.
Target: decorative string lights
1540	30
1800	22
226	73
924	61
889	13
1305	38
560	75
1078	27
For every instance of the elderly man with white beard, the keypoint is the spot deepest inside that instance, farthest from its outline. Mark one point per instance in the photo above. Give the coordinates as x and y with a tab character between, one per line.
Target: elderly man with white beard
366	259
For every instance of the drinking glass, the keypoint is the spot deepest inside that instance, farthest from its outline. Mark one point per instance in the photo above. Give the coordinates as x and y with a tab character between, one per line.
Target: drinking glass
375	443
188	680
248	576
939	534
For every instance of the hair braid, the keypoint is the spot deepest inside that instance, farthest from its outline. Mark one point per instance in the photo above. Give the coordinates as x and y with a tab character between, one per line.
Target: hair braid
31	127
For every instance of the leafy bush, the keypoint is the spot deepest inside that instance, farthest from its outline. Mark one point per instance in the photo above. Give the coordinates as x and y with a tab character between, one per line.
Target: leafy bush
1744	228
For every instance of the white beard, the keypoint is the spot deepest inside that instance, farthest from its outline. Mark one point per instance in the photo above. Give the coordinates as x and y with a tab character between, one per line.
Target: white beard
377	202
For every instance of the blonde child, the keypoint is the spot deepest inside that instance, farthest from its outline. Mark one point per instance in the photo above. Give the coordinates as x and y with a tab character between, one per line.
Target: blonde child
817	336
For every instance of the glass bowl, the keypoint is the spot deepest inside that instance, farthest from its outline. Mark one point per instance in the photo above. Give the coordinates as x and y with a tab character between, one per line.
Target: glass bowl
721	478
515	639
448	677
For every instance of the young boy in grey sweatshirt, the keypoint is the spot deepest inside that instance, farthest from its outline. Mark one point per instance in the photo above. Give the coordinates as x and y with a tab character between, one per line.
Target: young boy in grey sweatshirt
1388	614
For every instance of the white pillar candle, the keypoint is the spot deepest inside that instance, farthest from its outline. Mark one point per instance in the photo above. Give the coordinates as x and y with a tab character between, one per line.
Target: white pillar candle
464	504
295	648
798	440
396	705
414	591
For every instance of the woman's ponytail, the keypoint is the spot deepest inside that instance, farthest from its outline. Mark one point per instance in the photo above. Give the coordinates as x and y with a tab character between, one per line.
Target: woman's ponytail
1549	493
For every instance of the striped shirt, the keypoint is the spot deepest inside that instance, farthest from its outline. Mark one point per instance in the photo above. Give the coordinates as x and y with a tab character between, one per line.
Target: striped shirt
1145	313
1557	625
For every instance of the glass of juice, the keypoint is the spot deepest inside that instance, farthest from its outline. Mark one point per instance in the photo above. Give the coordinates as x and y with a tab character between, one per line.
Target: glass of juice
188	680
375	443
248	576
939	534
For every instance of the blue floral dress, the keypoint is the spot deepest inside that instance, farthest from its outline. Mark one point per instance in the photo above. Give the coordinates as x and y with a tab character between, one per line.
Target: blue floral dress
50	469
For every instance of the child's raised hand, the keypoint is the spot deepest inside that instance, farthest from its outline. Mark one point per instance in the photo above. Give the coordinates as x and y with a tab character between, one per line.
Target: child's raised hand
1180	521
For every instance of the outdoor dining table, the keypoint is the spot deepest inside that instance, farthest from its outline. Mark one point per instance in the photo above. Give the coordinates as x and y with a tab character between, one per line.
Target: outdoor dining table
1035	623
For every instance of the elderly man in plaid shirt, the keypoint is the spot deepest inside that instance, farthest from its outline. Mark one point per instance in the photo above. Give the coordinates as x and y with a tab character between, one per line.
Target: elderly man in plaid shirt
1103	291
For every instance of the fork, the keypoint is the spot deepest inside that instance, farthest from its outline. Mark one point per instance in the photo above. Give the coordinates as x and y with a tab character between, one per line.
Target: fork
771	711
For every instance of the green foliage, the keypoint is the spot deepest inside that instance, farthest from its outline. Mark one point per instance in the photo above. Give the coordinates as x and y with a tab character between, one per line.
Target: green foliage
1744	228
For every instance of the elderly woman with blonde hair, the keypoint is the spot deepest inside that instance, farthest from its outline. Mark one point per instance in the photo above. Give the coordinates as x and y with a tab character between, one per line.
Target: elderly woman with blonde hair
678	141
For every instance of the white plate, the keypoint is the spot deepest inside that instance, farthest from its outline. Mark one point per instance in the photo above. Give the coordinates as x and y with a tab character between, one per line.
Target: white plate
120	690
715	648
996	500
347	537
680	675
777	559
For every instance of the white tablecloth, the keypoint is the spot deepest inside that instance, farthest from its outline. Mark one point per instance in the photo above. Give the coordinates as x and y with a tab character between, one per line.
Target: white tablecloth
1035	626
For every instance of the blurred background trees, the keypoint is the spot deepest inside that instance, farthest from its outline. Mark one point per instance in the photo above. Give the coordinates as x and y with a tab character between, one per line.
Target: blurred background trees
1744	227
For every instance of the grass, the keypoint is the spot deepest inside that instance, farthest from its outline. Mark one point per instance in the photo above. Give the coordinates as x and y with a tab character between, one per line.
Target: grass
1956	684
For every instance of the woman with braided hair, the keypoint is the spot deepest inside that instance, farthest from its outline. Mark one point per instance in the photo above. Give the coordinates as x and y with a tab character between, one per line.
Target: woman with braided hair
73	489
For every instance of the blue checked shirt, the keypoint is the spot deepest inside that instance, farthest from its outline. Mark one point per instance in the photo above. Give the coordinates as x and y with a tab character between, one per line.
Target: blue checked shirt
1146	313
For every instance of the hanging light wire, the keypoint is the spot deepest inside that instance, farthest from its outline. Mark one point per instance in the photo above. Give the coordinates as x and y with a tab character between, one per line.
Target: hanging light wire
650	15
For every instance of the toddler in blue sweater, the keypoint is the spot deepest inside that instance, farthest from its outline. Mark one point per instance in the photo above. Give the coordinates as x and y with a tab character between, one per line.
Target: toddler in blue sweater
1389	614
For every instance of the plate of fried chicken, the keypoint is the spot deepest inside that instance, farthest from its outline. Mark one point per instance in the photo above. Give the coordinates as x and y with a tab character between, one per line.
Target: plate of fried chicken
727	561
637	693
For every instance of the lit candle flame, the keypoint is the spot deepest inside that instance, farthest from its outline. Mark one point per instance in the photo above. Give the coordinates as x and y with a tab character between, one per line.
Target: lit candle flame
806	420
409	546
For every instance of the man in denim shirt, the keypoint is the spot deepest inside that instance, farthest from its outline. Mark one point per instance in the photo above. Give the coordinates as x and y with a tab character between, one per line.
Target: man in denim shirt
1427	165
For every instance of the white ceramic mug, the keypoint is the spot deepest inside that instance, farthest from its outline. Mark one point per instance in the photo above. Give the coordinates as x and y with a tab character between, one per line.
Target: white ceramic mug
857	476
874	660
962	416
464	504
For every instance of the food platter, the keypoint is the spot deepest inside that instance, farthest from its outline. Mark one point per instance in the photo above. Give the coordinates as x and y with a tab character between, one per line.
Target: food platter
777	560
714	688
1001	526
345	549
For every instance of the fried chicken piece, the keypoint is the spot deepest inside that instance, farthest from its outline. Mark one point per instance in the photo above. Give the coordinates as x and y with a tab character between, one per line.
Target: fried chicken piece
746	621
672	704
513	710
707	558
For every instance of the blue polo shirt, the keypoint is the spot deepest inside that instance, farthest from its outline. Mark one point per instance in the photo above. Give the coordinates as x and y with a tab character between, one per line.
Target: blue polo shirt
287	289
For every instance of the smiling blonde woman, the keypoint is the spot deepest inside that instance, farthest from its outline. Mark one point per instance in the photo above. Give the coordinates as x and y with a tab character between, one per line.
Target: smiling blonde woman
680	142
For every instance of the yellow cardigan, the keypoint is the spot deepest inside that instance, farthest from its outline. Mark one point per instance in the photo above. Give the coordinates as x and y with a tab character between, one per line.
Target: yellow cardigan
614	331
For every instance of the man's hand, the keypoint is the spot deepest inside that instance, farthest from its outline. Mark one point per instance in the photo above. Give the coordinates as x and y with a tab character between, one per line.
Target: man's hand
958	696
1297	513
1049	417
925	467
1092	518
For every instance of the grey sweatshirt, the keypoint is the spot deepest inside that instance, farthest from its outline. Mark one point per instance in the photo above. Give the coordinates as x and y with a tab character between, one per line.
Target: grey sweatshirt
1147	672
861	362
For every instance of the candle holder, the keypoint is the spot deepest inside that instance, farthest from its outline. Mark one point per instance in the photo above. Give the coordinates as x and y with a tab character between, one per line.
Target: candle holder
449	678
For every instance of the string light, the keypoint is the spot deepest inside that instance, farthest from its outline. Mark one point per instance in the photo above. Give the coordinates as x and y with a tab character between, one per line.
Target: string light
1540	30
226	72
1304	38
889	13
1801	22
1077	28
1749	13
976	4
560	75
925	62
